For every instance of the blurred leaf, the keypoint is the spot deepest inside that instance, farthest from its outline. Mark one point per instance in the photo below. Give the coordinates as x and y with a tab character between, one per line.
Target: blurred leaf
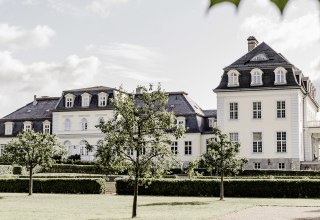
281	4
214	2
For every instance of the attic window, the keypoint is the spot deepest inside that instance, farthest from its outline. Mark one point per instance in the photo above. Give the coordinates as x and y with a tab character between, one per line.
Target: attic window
280	76
171	108
260	57
233	78
29	110
256	77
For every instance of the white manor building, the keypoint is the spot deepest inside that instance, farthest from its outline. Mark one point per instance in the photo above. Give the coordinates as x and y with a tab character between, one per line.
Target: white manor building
263	101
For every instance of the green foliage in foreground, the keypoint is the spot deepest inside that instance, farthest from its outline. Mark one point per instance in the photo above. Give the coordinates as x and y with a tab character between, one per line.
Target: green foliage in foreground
78	186
277	188
72	168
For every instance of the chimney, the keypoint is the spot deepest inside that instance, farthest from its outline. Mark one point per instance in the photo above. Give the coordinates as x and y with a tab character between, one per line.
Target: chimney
252	43
34	100
139	90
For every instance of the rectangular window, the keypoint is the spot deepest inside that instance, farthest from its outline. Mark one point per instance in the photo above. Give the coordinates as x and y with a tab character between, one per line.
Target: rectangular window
257	142
281	109
256	110
8	128
281	141
282	166
102	101
130	152
174	147
85	101
188	147
257	166
46	128
212	122
27	127
234	137
69	102
233	110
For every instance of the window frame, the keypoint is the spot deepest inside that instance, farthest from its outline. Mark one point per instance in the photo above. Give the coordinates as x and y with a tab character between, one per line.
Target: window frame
234	137
174	147
280	74
257	166
257	145
8	128
233	110
256	77
84	124
69	100
233	78
188	148
281	137
281	109
256	110
281	166
46	127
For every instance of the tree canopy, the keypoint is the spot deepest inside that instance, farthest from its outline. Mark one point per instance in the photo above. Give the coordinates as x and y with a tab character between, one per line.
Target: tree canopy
139	136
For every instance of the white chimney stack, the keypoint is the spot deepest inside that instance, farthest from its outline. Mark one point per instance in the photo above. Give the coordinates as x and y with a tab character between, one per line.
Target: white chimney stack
252	43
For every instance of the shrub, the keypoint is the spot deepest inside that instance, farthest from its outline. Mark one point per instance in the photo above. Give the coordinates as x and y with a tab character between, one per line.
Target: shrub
6	169
279	173
275	188
71	168
83	186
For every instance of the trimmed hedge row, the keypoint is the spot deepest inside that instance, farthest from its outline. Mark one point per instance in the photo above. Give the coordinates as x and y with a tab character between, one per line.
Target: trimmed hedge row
233	188
72	168
279	173
77	186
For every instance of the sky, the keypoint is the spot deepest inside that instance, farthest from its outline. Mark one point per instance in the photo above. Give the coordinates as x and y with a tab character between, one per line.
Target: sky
47	46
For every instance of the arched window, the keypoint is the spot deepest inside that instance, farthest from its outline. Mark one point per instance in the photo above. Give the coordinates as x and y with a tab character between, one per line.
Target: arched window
233	78
83	148
67	124
280	75
256	77
84	124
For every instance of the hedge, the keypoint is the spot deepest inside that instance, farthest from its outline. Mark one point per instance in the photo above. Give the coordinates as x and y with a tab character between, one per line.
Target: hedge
280	173
233	188
78	186
72	168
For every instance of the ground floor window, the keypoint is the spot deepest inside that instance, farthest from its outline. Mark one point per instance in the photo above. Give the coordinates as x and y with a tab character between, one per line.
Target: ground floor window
257	142
188	147
174	147
257	166
282	166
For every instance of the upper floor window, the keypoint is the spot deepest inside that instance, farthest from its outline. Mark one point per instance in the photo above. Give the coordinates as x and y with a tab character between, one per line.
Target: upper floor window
8	128
181	121
67	124
233	110
280	75
256	110
188	147
234	137
256	77
174	147
257	142
84	124
212	122
27	126
233	78
259	57
281	109
281	141
85	99
46	127
102	99
69	100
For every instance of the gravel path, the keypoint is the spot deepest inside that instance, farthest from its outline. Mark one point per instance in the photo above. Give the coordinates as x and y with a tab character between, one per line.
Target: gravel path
275	212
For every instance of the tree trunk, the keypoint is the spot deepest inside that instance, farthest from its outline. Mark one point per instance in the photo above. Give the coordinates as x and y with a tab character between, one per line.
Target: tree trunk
221	186
30	181
135	195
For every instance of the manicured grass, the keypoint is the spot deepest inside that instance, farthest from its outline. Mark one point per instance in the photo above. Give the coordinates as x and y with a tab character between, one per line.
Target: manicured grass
61	206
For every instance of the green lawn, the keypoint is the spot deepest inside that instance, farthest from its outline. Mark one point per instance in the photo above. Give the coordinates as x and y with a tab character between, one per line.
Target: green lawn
61	206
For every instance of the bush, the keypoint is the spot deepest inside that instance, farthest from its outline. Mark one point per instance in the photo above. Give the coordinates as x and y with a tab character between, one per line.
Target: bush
83	186
6	169
279	173
280	188
71	168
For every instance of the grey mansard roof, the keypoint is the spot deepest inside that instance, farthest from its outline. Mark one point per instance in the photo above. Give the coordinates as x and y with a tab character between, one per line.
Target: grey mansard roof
245	64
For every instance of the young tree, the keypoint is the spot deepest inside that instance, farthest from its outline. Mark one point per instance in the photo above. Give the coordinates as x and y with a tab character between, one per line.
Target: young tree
222	156
139	136
32	149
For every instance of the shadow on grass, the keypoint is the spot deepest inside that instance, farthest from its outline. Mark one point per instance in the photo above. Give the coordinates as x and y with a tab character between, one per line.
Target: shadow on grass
175	203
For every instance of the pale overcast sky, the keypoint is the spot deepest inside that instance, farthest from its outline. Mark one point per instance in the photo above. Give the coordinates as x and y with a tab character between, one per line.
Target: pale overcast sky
47	46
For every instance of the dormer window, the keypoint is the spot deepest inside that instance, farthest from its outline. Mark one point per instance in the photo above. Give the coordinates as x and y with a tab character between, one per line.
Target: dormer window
46	127
212	122
280	76
260	57
181	121
256	77
102	99
8	128
233	78
69	100
85	99
27	126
